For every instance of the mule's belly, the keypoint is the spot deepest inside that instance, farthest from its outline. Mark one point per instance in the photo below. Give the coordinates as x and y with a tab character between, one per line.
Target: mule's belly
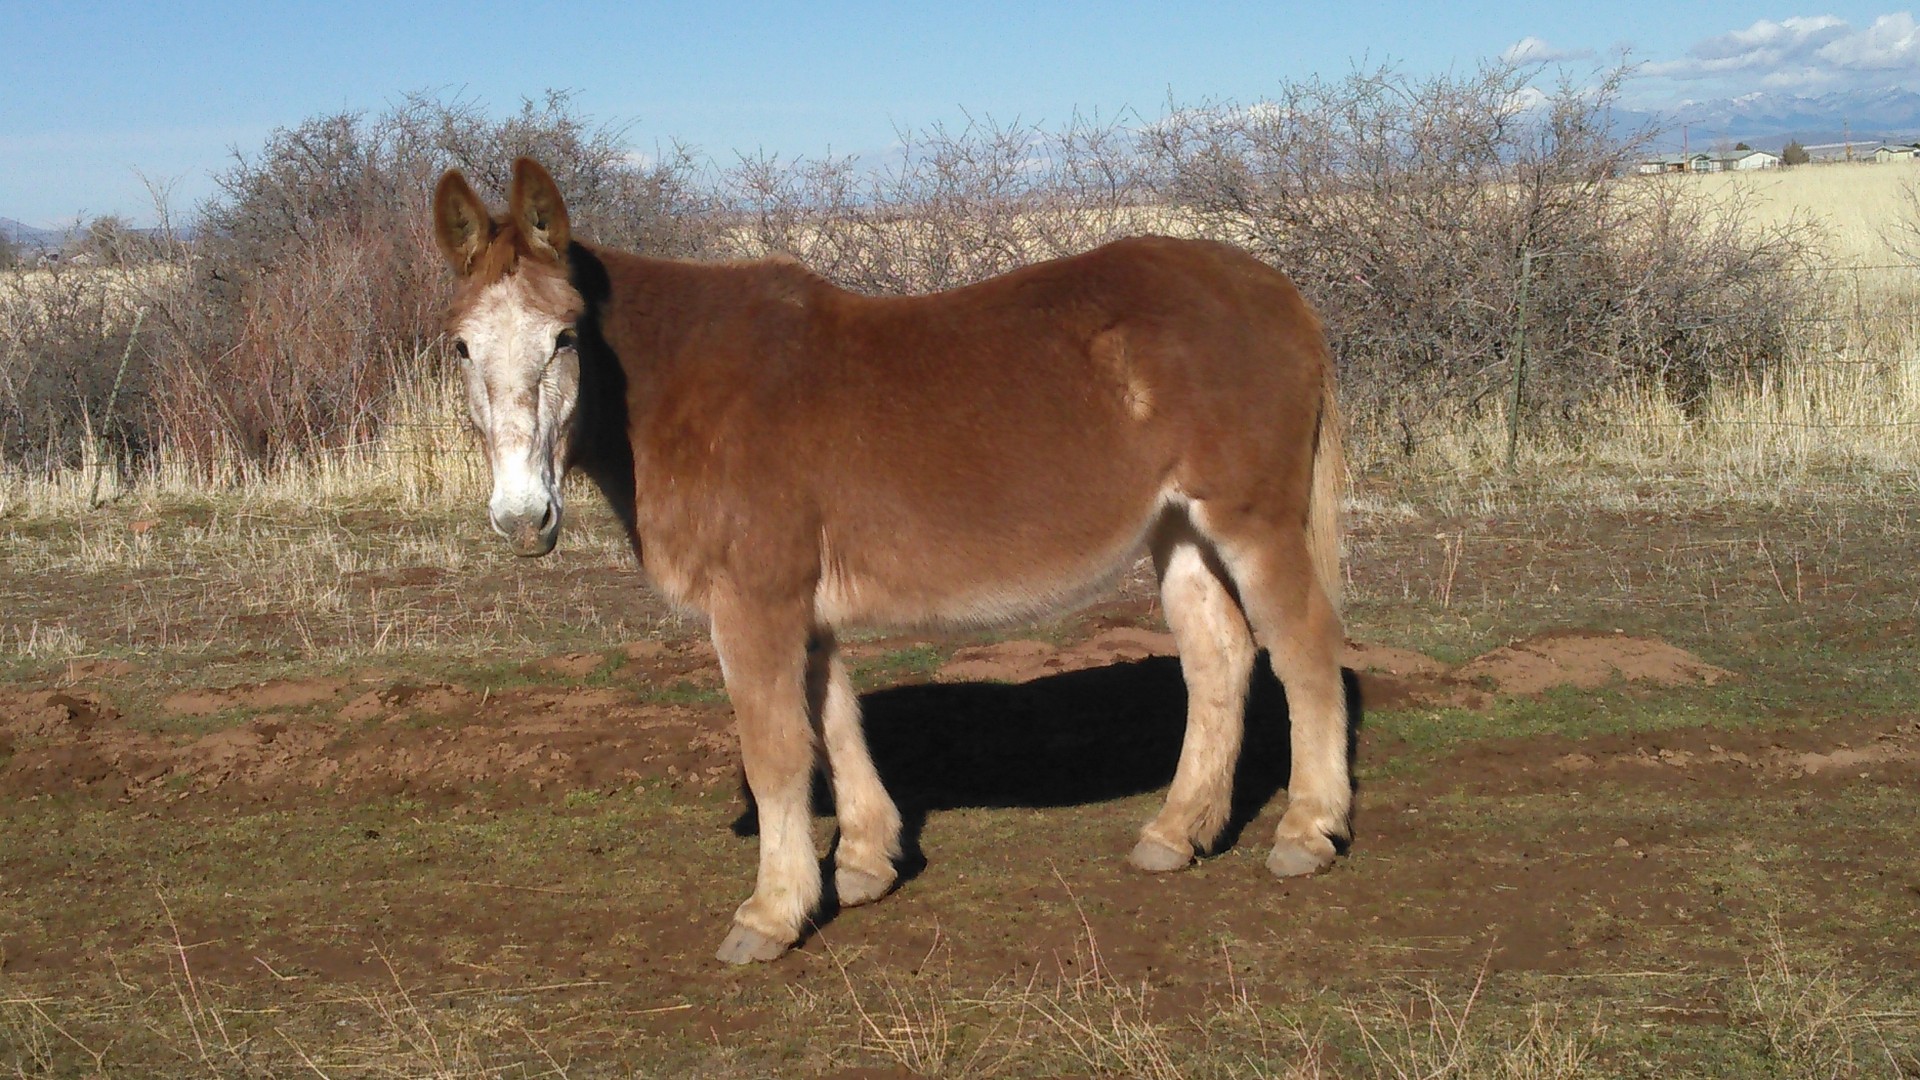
973	577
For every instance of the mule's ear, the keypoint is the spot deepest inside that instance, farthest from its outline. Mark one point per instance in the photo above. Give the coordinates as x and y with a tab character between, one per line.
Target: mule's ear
461	225
535	205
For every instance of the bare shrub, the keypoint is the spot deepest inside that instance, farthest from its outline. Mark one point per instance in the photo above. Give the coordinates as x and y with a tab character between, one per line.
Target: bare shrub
315	276
71	369
953	208
111	240
1406	210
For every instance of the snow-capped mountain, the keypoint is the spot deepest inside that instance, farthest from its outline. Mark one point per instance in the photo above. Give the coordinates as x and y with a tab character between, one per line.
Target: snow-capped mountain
1767	120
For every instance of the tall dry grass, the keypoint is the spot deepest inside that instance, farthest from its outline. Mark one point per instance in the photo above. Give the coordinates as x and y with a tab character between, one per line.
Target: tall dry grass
420	457
1858	207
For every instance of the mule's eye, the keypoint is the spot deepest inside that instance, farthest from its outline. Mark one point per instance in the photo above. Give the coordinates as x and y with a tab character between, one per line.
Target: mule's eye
566	339
460	349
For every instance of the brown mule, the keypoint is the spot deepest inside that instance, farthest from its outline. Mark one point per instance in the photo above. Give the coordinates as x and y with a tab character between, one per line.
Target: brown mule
794	460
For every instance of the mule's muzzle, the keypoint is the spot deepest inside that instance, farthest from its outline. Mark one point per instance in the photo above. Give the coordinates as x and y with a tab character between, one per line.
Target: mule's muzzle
530	535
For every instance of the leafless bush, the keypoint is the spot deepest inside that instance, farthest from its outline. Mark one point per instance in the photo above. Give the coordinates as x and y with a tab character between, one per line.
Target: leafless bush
71	370
315	275
953	208
111	240
1406	210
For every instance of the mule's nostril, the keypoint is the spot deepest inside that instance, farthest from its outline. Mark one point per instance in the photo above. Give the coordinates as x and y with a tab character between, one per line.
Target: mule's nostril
546	520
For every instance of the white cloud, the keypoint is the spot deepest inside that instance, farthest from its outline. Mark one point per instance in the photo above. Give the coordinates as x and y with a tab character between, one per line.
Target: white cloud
1892	43
1801	51
1532	50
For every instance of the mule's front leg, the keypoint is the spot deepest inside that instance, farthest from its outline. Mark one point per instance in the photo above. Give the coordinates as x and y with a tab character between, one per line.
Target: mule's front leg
764	660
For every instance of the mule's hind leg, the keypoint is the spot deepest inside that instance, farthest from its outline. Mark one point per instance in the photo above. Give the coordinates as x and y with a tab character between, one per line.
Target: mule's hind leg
1216	659
1297	623
764	660
869	822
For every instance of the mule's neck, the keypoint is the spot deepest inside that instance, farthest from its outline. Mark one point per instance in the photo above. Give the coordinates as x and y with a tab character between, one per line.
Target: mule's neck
643	308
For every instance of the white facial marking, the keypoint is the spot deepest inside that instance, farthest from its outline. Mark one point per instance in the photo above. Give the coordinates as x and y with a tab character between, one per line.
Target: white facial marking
522	385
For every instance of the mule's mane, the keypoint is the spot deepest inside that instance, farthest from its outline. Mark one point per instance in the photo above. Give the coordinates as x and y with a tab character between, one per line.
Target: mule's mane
510	251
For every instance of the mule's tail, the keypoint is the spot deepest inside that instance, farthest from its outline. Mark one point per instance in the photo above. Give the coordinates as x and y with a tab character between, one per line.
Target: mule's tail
1328	492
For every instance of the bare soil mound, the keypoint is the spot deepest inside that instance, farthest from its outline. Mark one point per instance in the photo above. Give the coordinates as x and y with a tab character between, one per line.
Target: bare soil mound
317	736
1586	661
1389	678
320	736
283	694
1025	661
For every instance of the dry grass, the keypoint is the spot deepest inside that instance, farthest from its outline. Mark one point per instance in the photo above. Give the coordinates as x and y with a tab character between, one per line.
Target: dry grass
1794	1020
423	459
1862	414
1856	206
1811	1022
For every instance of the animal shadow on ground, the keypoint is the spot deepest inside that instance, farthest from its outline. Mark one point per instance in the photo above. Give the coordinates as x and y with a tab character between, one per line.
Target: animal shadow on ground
1064	740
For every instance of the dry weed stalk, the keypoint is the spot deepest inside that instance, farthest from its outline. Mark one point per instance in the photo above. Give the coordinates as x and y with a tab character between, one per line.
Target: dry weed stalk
1810	1021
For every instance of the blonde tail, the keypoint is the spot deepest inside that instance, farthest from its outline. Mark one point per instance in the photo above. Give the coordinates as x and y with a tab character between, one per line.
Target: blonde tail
1329	490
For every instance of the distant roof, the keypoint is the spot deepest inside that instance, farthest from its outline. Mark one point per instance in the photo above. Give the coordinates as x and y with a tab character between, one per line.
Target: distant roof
1702	155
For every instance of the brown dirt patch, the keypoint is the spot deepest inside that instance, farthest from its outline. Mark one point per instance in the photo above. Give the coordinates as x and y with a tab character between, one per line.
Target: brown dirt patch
1399	678
82	670
1024	661
431	738
566	665
1390	678
443	739
283	694
1689	762
1586	661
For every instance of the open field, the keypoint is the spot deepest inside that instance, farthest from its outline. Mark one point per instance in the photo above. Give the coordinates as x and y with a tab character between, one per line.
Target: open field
1859	207
347	791
300	773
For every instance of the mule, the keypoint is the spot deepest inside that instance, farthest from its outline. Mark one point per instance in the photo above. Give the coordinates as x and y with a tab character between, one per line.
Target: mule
793	460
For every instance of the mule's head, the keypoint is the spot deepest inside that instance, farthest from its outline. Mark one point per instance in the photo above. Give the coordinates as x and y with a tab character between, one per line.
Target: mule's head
512	324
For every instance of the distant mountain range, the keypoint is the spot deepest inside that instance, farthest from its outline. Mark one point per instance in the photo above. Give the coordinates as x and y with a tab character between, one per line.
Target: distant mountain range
1767	121
32	238
26	236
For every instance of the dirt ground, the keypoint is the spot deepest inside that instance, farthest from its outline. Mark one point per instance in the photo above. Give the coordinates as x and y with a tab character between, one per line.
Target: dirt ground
1651	774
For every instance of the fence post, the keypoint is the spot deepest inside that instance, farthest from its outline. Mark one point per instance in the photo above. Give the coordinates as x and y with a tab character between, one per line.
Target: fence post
102	447
1519	350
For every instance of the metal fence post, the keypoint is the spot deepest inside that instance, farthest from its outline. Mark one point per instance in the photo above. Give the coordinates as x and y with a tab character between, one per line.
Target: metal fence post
102	447
1519	359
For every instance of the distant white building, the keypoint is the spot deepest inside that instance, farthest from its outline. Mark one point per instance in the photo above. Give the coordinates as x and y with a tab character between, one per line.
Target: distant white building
1745	160
1895	152
1841	151
1702	162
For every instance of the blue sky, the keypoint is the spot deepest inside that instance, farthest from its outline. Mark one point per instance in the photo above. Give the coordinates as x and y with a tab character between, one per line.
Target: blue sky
91	94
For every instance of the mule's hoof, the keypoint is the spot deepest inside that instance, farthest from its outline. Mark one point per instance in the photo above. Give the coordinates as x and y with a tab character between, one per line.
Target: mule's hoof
856	887
748	946
1295	858
1157	858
